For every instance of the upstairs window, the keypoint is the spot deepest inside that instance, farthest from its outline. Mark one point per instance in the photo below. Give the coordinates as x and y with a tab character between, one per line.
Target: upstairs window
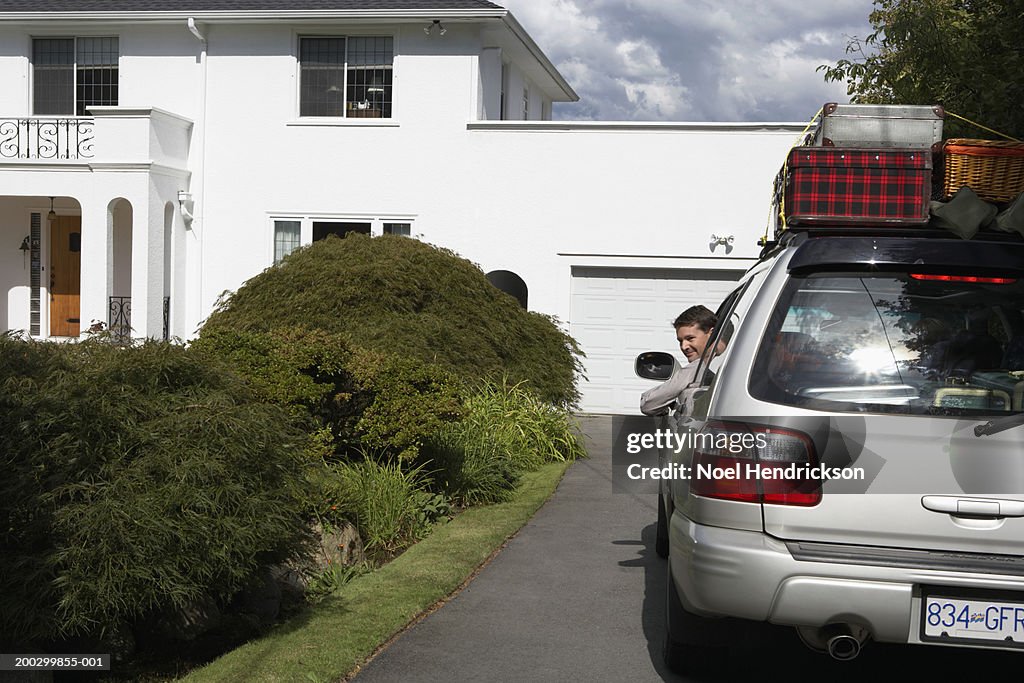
403	229
286	238
346	77
69	75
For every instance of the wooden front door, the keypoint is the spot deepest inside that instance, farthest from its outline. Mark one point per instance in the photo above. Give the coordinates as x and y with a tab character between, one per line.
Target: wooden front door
65	271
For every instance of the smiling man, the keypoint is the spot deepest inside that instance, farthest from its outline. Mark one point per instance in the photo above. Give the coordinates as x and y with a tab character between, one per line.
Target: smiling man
693	328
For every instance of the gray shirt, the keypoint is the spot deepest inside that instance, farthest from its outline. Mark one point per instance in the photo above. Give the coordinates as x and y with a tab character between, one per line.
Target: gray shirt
660	399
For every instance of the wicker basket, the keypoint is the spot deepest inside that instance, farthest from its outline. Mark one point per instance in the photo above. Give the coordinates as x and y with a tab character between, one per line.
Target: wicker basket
994	169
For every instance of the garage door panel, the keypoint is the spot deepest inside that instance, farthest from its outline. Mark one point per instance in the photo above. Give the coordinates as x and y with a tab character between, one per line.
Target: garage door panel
617	313
640	338
602	372
603	395
600	340
639	310
638	288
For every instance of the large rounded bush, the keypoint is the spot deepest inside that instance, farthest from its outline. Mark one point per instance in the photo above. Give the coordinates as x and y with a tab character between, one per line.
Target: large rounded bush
399	295
136	482
356	398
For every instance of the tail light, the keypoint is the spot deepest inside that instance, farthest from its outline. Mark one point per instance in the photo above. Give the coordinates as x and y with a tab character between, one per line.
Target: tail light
755	464
965	278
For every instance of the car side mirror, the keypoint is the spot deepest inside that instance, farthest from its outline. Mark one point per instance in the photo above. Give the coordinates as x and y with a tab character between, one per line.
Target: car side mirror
655	365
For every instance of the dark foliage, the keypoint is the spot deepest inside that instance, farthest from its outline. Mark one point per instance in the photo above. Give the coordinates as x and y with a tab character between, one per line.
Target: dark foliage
350	398
963	54
136	481
400	296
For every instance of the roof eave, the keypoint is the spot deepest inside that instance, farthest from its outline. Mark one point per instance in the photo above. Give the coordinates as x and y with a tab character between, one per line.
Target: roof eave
256	16
516	28
252	15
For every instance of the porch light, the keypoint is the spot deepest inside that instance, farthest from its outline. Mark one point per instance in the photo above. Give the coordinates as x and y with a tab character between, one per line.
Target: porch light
26	245
435	25
186	204
52	215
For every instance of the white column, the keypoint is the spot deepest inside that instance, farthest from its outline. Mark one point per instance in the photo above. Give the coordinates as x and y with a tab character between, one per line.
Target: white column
148	268
94	280
490	84
142	220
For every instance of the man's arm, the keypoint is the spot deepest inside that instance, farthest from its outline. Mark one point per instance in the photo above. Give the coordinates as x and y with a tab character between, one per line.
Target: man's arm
660	399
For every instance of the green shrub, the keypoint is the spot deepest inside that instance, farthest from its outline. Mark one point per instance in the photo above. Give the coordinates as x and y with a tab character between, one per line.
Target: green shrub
385	501
530	430
506	430
136	481
406	401
332	578
364	398
469	467
296	367
401	296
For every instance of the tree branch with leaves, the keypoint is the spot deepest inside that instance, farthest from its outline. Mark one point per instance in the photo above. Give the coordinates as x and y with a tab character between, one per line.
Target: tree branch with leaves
966	55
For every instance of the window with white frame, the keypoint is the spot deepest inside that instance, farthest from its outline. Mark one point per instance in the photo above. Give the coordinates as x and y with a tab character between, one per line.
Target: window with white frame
526	104
289	232
346	76
323	229
69	75
286	238
404	229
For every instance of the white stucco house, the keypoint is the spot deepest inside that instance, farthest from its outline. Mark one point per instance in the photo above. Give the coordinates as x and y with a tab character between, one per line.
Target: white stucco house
155	154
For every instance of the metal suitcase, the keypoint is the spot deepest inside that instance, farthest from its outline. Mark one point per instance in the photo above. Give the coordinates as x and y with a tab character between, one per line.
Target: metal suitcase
880	125
857	186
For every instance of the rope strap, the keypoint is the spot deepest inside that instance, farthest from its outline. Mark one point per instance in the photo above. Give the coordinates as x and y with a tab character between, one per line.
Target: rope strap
974	123
780	192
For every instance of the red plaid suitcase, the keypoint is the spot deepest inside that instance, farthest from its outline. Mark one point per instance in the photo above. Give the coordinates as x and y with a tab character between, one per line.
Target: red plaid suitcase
857	186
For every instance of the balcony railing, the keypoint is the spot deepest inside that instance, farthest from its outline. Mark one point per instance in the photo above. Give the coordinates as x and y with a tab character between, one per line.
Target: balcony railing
167	318
57	139
119	320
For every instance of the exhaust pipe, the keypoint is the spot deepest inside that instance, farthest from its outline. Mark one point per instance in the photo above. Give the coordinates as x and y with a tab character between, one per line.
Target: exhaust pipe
842	642
843	647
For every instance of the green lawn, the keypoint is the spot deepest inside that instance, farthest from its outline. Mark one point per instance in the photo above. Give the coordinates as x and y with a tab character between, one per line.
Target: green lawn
331	640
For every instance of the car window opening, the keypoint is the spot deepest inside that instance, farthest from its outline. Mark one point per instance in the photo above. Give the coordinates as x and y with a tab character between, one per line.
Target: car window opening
895	343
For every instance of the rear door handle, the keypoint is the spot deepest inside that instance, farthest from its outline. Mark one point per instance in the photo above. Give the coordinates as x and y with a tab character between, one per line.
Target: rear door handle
974	507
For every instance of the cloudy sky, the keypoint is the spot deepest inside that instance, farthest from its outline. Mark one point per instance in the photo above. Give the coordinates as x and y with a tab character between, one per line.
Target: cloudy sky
694	60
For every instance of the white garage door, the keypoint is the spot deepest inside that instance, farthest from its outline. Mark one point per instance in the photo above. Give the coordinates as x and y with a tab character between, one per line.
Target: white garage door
617	313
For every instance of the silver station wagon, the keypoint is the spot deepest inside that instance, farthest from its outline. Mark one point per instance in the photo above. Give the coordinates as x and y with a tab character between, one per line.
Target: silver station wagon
852	463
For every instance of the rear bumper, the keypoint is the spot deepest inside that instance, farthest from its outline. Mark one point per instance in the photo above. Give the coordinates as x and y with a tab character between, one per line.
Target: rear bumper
746	574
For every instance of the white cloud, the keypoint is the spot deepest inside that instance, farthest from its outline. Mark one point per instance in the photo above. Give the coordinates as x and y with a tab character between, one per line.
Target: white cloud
694	59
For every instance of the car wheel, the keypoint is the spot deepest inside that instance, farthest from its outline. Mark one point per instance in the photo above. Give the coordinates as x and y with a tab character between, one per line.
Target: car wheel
661	536
691	645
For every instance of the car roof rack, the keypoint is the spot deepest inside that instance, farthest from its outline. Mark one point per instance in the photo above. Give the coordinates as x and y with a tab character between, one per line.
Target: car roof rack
920	232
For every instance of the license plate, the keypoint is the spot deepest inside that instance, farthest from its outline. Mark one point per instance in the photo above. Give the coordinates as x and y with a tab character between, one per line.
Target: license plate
948	618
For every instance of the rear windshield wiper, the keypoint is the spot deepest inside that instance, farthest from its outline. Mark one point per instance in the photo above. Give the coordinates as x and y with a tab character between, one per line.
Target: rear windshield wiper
1002	424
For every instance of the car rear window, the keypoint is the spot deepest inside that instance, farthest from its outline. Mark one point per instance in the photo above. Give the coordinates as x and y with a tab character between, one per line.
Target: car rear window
895	342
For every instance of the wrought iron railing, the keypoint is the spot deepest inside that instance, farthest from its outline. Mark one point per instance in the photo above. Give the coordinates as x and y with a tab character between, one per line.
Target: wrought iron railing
119	319
167	318
46	138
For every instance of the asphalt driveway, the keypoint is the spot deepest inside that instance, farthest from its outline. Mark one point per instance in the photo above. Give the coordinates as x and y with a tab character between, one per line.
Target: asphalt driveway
578	595
575	596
